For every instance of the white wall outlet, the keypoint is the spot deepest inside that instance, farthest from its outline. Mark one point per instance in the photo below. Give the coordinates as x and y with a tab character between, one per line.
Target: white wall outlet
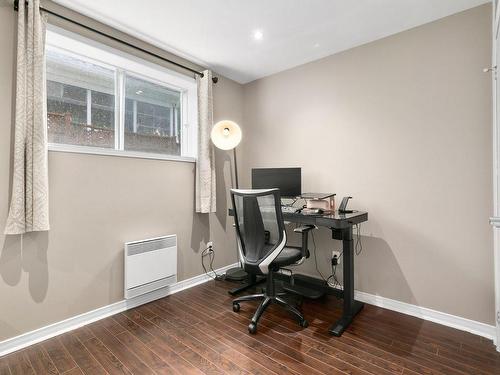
336	254
210	244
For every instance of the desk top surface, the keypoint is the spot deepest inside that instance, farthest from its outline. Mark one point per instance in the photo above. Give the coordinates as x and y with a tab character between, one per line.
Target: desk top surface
332	220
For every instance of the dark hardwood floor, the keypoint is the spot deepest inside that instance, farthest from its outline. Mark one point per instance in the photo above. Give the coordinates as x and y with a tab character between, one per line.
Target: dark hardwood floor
196	332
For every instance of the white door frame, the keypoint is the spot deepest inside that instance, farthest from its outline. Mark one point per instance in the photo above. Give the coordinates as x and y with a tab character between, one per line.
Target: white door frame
495	220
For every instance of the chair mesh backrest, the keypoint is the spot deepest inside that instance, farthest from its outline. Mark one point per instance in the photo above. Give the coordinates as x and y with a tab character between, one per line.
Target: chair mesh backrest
259	222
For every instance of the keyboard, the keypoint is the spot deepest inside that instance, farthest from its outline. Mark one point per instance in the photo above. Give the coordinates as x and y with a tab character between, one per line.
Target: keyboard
288	209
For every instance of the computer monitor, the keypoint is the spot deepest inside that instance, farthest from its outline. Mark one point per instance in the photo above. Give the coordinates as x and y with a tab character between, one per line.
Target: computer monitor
288	180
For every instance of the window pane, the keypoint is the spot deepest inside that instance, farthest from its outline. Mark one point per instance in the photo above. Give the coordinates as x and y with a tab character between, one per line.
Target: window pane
152	117
80	101
103	110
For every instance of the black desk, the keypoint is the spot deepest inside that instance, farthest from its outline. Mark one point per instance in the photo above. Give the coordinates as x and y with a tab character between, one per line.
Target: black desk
341	226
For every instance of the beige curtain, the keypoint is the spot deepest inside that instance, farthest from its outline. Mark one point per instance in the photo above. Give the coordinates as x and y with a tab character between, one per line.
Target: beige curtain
205	165
29	206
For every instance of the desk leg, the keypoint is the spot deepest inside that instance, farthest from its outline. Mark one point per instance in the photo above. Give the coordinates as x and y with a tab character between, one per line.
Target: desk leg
252	281
351	307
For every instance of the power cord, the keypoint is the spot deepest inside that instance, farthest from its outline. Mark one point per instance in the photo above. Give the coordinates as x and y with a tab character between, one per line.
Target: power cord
316	258
336	283
210	253
358	248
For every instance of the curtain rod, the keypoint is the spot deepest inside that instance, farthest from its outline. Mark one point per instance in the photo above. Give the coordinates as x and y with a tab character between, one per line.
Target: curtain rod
214	79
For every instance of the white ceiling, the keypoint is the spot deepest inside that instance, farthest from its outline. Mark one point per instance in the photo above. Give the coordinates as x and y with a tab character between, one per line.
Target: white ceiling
219	33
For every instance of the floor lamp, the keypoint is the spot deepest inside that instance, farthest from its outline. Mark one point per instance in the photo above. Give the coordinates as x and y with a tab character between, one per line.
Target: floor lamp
226	135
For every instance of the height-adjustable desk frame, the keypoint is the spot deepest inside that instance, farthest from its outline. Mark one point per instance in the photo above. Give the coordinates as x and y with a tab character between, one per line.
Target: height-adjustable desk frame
341	226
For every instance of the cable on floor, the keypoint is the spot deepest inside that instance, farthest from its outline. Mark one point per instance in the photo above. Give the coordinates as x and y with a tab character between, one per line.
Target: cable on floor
210	253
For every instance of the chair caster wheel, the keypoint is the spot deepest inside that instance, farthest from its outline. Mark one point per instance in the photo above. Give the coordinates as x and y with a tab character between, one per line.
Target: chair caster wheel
236	307
252	328
304	324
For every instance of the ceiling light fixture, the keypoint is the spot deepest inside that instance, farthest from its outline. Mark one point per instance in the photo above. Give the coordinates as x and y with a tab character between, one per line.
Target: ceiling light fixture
258	35
139	92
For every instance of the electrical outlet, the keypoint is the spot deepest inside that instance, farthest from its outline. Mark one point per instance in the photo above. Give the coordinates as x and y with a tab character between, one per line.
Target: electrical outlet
210	244
336	254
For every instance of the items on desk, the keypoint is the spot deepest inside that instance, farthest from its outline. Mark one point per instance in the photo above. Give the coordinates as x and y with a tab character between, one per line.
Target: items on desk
289	183
289	209
323	201
322	204
343	206
312	211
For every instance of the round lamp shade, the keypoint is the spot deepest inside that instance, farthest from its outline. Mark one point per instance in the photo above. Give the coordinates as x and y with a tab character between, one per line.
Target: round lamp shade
226	135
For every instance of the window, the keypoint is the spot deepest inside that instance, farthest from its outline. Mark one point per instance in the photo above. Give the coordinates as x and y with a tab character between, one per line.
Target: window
104	101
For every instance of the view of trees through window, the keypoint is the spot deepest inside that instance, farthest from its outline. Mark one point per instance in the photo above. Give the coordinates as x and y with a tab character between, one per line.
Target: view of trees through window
81	106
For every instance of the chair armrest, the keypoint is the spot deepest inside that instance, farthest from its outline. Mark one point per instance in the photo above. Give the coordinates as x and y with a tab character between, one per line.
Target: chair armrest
304	229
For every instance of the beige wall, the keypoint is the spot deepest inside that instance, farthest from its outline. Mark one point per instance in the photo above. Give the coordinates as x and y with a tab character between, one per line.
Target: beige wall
403	125
96	204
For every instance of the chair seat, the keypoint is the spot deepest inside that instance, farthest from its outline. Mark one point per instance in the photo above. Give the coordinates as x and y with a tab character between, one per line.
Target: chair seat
287	256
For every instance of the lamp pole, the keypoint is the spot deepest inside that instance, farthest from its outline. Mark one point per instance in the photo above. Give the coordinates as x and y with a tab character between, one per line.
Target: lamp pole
226	135
235	169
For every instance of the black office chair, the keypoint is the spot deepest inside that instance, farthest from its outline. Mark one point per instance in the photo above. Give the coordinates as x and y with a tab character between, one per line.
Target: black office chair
262	246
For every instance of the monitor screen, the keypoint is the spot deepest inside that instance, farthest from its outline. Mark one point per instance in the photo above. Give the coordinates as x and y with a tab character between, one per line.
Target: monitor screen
288	180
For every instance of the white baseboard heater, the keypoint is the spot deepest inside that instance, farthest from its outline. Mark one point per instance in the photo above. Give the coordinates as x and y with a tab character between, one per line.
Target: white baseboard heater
150	264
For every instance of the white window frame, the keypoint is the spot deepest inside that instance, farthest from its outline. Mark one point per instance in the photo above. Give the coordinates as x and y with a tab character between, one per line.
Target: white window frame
126	64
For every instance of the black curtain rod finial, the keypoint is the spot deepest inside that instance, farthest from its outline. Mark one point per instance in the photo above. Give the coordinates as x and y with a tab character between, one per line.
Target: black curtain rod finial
214	79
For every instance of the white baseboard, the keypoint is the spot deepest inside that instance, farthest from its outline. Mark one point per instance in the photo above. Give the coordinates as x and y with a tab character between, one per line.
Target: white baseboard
44	333
453	321
463	324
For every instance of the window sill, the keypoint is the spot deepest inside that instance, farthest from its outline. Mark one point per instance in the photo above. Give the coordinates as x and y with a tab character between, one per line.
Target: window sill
56	147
